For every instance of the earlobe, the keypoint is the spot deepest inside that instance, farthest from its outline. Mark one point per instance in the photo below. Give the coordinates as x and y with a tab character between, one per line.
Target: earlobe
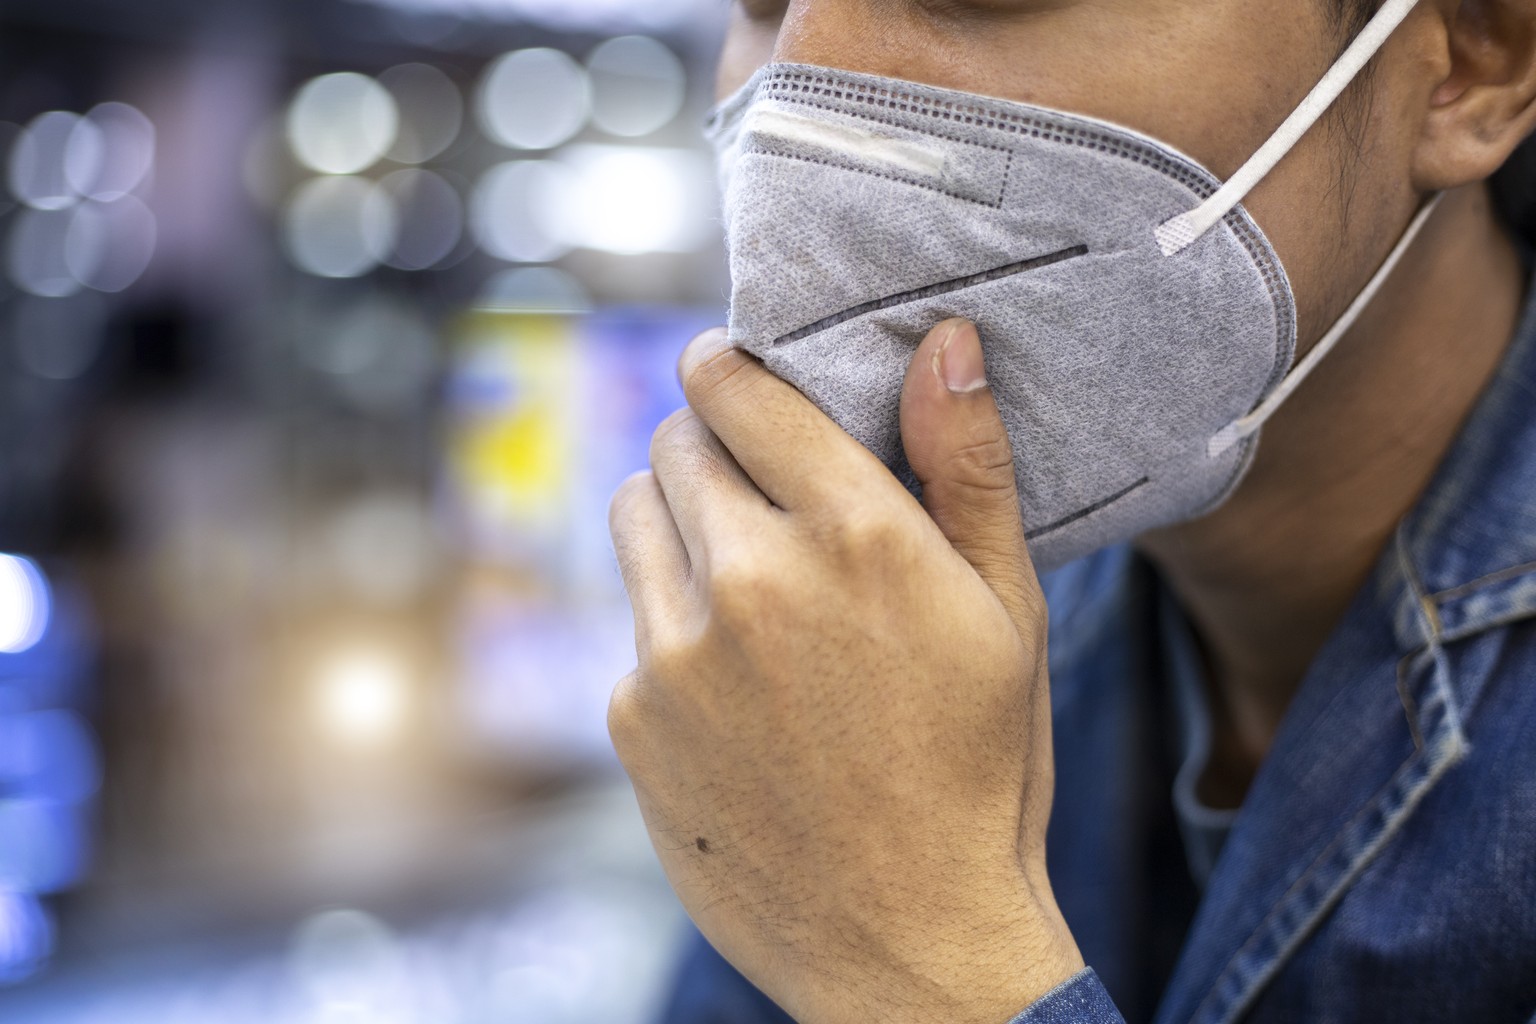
1485	106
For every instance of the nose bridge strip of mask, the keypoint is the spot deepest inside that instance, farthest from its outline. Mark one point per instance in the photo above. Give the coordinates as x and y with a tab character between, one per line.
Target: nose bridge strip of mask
901	154
931	291
1178	233
865	143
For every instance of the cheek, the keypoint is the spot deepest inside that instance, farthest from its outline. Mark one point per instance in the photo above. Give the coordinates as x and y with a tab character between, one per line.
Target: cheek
748	45
1333	209
1300	208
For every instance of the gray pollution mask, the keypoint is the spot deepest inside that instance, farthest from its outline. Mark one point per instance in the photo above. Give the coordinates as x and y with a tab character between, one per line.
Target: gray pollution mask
1138	326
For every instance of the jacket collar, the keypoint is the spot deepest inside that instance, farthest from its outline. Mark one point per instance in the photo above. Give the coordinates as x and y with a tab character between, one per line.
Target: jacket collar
1468	550
1379	720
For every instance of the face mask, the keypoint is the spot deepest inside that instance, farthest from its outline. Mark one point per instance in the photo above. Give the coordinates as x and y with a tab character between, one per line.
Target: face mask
1137	324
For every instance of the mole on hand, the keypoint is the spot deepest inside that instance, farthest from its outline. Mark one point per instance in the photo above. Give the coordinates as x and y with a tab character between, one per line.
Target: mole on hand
702	844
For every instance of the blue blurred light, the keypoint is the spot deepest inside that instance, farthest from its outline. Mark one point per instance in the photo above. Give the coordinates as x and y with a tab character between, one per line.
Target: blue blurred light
25	604
44	845
26	936
48	755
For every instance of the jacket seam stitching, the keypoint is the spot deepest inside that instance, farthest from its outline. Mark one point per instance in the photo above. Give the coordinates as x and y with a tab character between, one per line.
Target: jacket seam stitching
1451	751
1471	587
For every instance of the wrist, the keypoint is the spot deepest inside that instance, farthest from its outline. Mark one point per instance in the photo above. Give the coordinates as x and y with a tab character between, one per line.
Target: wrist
983	967
996	976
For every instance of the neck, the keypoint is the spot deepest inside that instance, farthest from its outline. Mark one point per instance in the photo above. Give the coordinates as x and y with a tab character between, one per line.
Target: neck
1268	576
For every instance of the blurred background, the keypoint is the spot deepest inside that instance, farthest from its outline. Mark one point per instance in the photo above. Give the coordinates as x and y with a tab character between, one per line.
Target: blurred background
327	327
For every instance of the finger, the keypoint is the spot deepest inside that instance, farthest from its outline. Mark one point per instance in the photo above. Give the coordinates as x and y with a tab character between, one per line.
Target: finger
959	451
711	498
795	454
650	552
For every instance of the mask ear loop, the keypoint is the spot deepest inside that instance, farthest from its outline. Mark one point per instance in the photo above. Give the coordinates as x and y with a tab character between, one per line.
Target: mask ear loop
1177	234
1250	424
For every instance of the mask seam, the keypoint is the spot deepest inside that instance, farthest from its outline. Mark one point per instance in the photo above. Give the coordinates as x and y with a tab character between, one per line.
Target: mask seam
931	291
1086	511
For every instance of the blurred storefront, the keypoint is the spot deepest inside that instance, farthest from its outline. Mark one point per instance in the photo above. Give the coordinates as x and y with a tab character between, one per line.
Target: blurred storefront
326	329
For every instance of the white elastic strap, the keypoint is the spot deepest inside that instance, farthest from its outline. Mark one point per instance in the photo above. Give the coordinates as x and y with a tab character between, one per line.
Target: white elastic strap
1250	424
1177	234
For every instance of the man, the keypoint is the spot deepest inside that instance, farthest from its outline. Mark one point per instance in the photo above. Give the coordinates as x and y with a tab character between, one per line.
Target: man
1294	764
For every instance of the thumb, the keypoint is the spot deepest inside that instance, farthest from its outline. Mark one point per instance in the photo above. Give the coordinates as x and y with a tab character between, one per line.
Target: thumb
959	451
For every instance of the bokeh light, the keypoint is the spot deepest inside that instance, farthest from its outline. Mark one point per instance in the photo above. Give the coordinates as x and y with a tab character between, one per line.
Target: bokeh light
430	215
341	226
510	214
627	200
26	936
637	85
109	245
25	604
42	844
362	696
125	139
49	755
534	99
105	246
342	123
37	254
53	151
431	111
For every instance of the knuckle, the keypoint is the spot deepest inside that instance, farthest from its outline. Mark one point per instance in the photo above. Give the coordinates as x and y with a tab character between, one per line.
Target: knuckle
671	662
736	590
674	431
865	531
718	371
684	449
680	437
666	661
627	494
640	711
626	716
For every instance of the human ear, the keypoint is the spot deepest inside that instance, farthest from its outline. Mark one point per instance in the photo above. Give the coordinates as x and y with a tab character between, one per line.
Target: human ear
1486	105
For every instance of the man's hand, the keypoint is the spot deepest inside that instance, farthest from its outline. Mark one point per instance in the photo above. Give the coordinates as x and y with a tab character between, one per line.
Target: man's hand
839	730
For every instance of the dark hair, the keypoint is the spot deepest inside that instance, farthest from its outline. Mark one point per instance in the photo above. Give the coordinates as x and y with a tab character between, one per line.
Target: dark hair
1514	184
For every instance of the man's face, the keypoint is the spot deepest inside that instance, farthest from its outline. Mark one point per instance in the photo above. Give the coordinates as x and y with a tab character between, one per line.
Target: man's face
1213	78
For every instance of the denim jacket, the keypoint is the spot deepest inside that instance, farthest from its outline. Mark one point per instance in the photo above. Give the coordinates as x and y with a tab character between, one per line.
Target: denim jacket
1383	864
